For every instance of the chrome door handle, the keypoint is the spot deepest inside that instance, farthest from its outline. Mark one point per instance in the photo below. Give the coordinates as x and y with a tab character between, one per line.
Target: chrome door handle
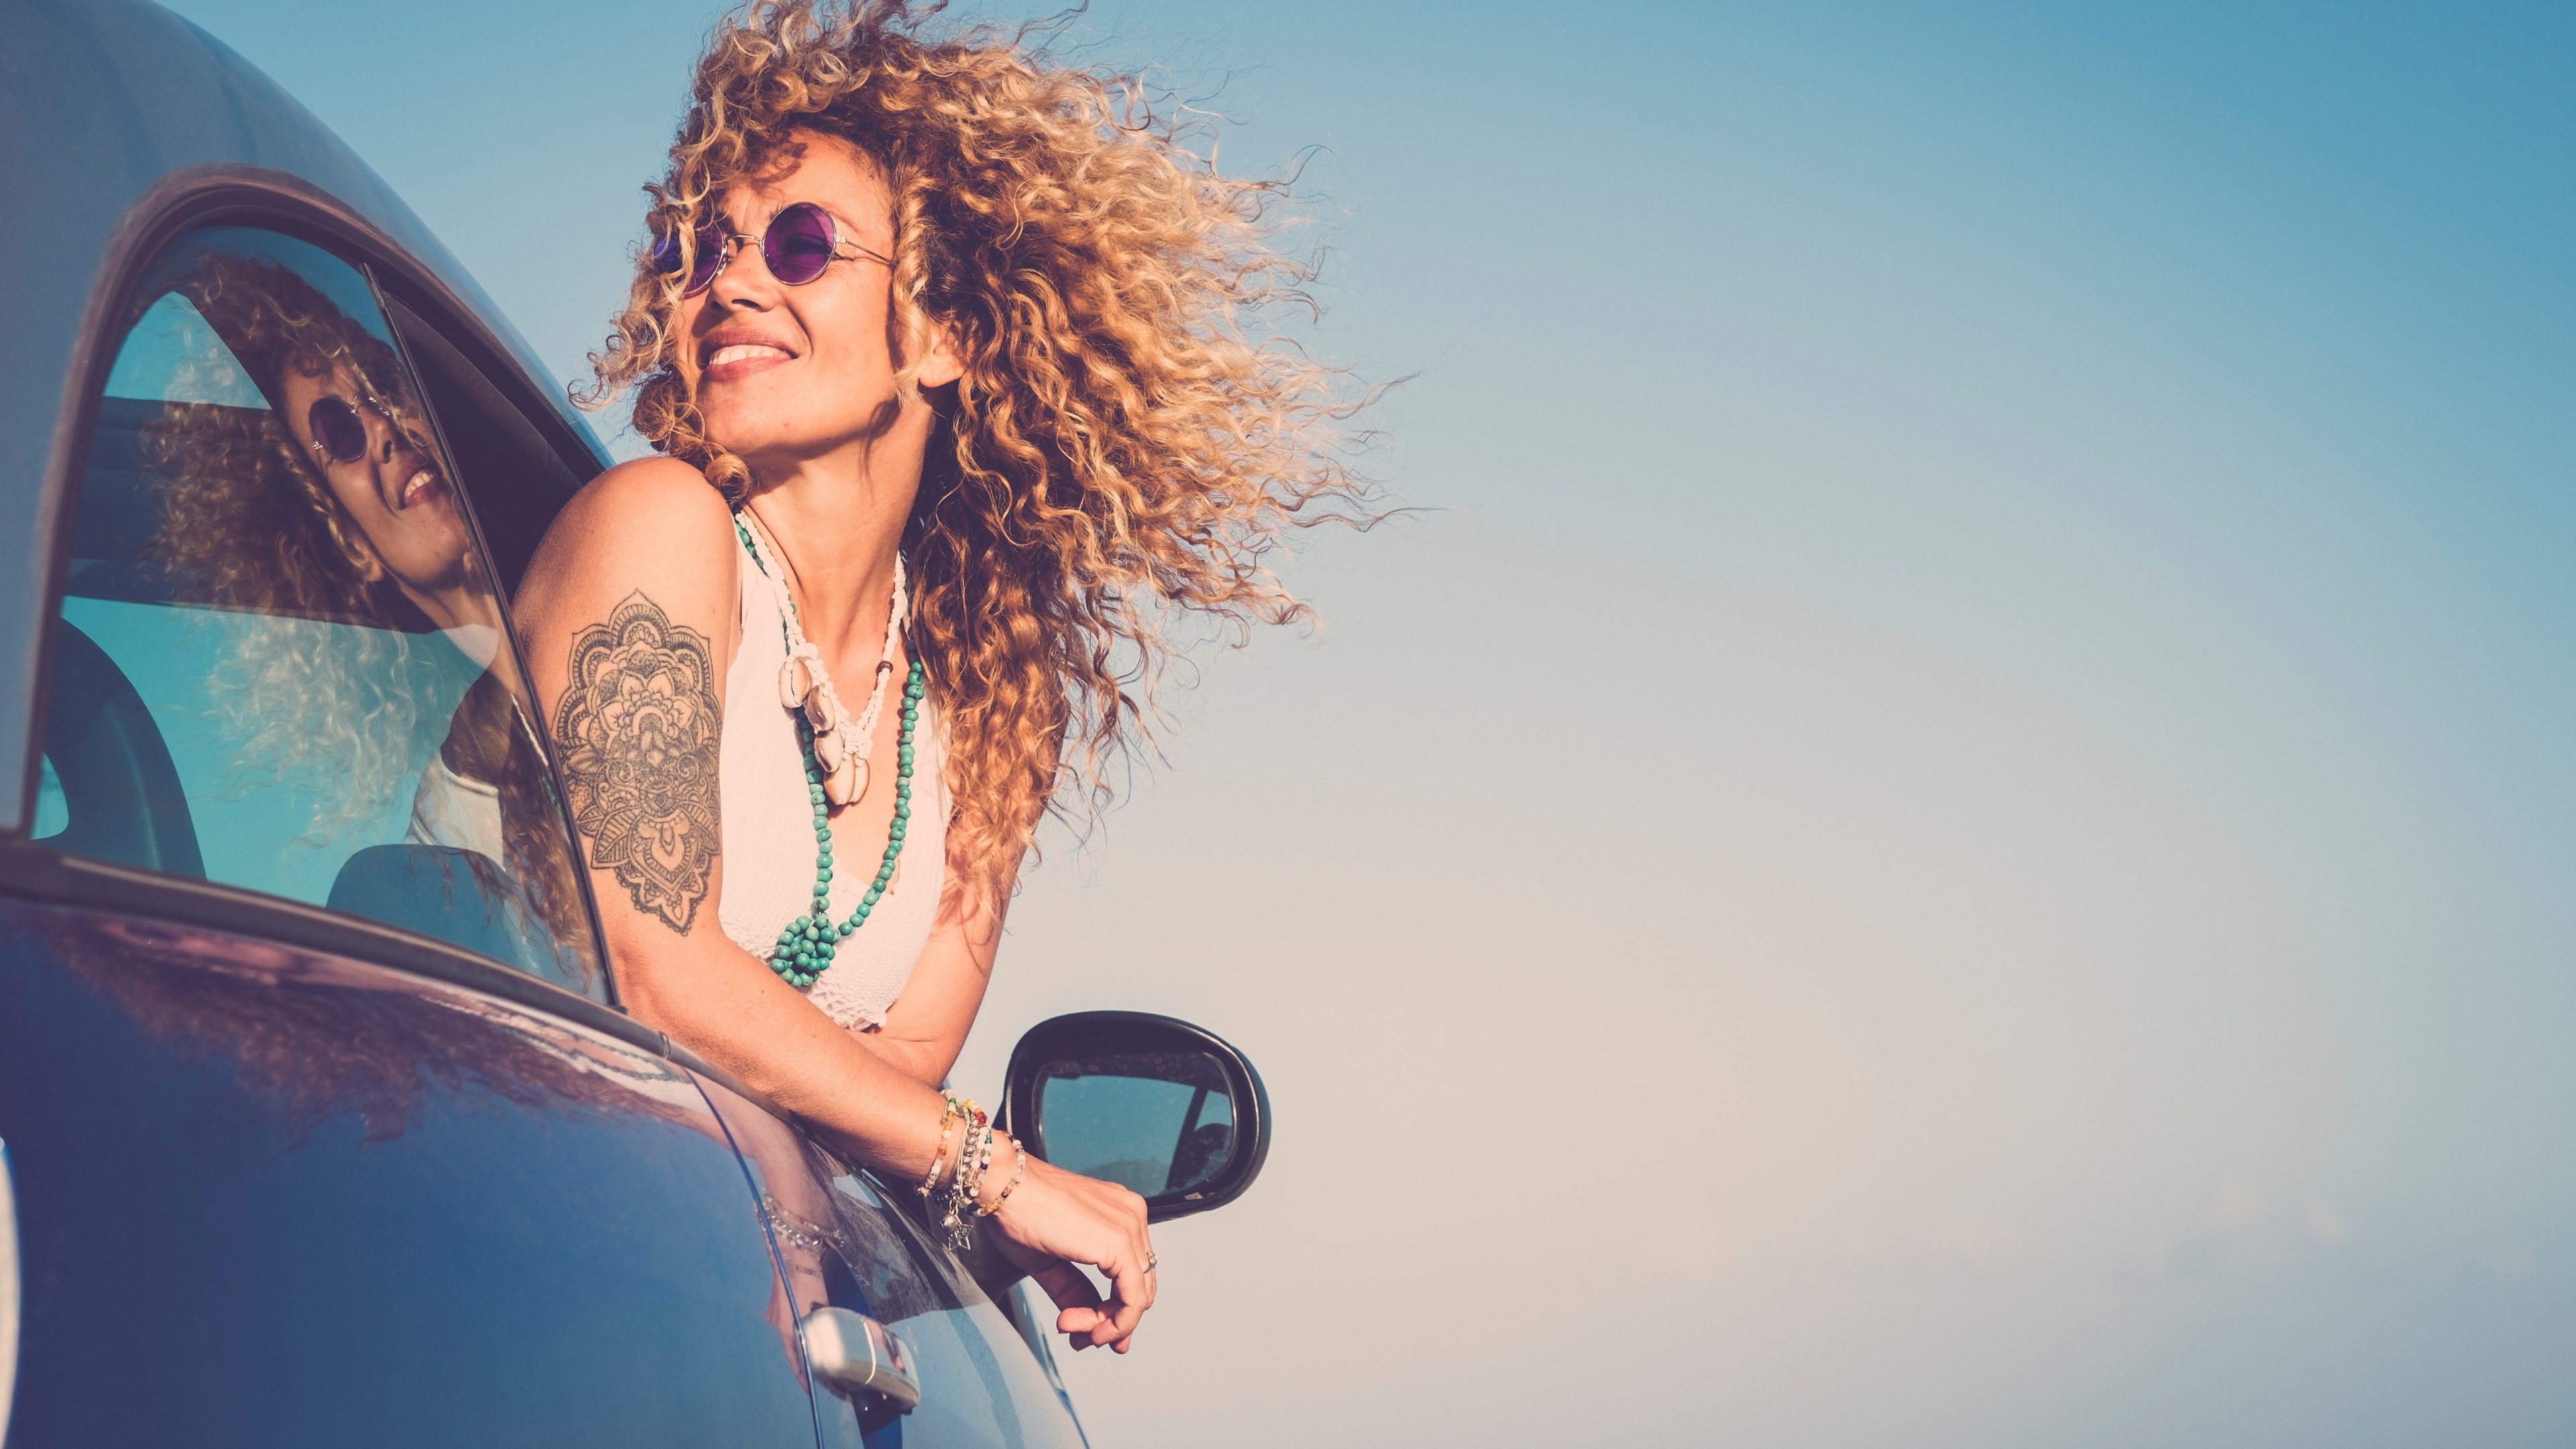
856	1354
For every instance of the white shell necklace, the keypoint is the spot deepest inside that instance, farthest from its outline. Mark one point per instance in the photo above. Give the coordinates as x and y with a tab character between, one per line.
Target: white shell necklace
840	742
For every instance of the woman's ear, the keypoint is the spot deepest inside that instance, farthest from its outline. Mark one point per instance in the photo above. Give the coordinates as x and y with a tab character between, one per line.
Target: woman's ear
943	363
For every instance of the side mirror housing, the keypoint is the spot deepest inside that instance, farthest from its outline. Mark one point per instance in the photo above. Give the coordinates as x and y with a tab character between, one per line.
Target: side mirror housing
1163	1107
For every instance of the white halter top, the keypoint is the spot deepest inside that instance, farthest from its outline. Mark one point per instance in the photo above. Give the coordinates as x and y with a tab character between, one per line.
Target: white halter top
769	829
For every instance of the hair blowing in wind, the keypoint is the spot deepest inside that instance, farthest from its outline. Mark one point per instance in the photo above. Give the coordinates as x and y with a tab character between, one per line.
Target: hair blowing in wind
1132	436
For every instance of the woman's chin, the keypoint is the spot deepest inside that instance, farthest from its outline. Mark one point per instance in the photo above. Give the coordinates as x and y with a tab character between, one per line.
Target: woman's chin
749	428
774	450
787	426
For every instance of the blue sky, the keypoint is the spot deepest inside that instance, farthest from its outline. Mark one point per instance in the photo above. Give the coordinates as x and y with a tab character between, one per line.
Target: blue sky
1954	827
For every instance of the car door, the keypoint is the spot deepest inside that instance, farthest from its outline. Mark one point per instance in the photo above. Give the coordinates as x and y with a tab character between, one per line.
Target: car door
321	1124
845	1243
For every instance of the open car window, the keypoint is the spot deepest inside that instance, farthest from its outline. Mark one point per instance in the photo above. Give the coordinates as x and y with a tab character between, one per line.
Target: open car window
281	660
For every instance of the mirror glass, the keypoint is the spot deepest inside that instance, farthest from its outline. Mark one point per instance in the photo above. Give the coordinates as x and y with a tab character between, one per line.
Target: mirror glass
1155	1122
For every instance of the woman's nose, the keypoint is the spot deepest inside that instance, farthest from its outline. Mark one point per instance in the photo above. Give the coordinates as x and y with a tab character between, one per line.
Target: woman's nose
399	438
742	274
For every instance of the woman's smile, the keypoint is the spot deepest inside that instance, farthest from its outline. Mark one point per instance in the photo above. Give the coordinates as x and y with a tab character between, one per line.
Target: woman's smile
734	353
422	485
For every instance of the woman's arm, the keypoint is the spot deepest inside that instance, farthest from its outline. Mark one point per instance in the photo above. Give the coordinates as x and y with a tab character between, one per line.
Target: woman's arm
926	1027
628	616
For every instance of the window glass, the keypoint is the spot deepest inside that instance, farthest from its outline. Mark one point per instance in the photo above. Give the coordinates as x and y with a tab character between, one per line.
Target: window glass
280	661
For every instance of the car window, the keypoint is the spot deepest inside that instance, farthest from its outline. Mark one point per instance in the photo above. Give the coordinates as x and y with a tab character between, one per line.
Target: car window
281	660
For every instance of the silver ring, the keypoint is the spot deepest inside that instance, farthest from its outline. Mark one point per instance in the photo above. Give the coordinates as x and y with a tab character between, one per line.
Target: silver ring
1150	1262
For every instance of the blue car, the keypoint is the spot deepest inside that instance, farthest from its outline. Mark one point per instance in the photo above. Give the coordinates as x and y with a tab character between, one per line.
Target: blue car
320	1123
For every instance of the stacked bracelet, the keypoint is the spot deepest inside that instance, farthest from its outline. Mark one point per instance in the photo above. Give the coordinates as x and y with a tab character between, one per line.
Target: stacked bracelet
973	1151
1019	1169
964	1200
957	1109
939	1154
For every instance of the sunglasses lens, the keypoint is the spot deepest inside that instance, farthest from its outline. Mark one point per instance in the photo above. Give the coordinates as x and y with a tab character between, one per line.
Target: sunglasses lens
702	267
336	427
799	244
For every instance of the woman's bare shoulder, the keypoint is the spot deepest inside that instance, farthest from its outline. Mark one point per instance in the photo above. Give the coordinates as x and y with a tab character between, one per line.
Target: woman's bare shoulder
651	523
652	501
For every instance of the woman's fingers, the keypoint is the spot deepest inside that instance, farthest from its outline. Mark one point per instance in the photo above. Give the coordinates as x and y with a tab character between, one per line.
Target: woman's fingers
1070	1289
1079	1324
1081	1314
1061	1221
1131	1283
1131	1292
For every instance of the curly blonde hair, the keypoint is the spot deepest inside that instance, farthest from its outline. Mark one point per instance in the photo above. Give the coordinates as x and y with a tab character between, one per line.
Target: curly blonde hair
1131	437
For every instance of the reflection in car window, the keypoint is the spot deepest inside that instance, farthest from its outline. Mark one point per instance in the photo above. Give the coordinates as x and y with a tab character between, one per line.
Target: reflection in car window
280	661
515	478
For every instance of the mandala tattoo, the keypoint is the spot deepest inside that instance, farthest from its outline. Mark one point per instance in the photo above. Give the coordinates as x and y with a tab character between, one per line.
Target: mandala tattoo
638	728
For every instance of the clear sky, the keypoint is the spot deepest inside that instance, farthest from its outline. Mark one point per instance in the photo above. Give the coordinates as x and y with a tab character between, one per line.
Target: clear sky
1956	827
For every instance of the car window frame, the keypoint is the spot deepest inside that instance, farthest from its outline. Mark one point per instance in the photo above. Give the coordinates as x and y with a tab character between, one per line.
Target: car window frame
395	314
251	197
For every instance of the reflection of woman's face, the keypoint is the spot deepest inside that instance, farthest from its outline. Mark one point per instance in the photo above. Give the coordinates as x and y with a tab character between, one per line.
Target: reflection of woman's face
395	492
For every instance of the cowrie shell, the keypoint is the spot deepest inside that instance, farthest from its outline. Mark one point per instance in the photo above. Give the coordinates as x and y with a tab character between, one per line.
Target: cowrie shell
795	681
829	751
845	785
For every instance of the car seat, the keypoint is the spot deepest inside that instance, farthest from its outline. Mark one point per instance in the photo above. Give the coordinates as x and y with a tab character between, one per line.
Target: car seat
120	788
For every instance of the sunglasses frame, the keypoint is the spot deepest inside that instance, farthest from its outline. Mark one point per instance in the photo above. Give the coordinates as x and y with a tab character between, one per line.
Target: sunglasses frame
384	409
666	250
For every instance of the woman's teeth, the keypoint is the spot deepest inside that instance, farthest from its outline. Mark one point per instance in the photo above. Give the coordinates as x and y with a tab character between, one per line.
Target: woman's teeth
741	351
419	486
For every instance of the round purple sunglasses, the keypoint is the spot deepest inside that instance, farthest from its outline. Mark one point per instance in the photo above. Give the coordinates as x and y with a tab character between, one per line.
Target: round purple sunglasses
799	243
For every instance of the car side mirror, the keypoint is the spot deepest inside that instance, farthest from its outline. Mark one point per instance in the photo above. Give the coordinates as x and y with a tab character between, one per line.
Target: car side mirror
1158	1105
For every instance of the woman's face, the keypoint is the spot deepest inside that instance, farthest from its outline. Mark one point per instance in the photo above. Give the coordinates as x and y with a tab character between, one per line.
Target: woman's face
786	374
394	491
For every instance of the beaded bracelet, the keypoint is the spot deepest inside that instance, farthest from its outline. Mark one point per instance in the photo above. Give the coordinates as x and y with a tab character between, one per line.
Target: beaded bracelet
968	1181
939	1154
953	1112
958	1222
1019	1169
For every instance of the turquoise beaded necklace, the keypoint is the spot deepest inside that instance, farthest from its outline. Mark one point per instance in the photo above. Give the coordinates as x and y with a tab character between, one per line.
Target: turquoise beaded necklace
806	947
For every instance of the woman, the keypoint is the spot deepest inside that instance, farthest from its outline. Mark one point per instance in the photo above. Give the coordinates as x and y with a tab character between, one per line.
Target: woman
945	350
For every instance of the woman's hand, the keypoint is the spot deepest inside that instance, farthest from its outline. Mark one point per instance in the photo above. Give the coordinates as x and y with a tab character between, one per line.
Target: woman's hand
1056	1219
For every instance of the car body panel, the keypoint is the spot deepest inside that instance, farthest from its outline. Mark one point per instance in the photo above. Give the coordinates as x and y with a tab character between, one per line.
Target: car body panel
844	1239
273	1197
